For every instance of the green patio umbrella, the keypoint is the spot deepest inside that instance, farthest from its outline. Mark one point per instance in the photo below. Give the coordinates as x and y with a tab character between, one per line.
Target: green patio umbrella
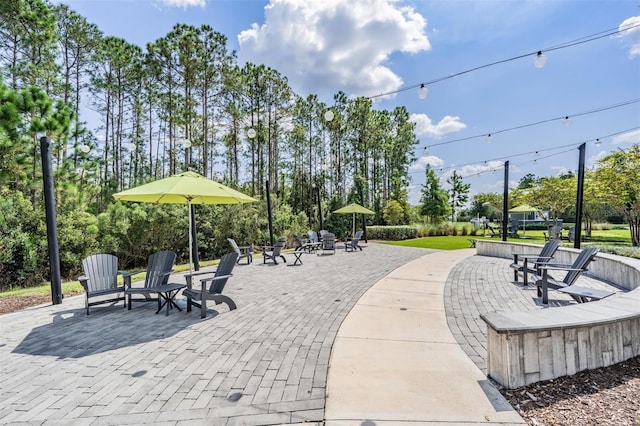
184	188
523	208
353	208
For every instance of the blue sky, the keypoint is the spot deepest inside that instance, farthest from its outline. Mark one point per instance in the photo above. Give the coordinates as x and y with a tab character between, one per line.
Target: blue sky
369	47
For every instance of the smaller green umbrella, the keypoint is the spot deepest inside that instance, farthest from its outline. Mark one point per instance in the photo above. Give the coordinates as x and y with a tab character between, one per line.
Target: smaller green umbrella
353	208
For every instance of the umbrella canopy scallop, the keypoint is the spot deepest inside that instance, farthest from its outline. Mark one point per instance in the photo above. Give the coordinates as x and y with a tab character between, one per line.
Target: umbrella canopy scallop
183	188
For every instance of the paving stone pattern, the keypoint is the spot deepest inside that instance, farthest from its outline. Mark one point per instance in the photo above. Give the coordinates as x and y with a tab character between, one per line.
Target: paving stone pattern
479	285
264	363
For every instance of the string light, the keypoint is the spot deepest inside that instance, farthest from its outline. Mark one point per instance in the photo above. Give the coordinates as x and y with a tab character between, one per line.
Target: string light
423	91
489	138
328	115
251	133
540	60
597	142
566	122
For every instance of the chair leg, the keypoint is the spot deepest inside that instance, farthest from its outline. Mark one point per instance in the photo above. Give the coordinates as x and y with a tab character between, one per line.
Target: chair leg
203	307
86	303
221	298
188	304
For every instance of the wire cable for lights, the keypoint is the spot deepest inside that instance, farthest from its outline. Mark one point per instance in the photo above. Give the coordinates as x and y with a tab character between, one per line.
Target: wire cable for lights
578	41
548	120
536	151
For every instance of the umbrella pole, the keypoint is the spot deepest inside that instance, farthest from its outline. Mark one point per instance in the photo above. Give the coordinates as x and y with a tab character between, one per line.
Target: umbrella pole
353	227
190	238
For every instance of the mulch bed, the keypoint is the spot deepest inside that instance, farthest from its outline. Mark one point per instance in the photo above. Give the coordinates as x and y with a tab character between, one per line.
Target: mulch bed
605	396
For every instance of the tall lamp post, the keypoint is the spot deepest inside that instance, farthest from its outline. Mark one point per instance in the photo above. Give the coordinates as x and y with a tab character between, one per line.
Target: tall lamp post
50	213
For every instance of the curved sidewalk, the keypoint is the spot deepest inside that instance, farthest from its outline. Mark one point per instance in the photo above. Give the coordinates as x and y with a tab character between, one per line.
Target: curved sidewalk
395	361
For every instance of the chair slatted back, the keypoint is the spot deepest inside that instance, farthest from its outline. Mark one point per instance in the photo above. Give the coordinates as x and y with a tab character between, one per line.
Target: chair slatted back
234	245
313	237
158	267
328	241
279	245
582	261
101	271
356	237
225	267
548	250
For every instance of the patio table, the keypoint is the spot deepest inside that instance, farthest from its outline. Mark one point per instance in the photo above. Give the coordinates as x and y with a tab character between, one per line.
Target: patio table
167	293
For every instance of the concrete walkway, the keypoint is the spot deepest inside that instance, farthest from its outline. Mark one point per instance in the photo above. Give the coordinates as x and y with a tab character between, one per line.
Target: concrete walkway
395	361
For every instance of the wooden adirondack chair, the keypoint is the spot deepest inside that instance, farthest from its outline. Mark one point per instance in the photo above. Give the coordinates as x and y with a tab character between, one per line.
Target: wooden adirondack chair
531	263
273	252
199	296
159	267
353	243
101	279
242	251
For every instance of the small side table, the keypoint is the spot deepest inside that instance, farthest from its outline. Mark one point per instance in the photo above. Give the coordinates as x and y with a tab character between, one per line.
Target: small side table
168	293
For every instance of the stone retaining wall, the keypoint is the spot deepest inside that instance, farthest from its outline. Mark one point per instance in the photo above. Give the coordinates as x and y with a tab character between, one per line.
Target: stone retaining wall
526	347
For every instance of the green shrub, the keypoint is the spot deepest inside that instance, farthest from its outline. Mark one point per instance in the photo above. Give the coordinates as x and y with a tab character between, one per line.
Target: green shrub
633	252
391	233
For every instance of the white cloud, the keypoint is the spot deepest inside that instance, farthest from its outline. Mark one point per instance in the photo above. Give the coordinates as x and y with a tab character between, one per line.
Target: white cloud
498	186
632	36
425	161
595	158
426	128
474	169
331	45
185	3
627	138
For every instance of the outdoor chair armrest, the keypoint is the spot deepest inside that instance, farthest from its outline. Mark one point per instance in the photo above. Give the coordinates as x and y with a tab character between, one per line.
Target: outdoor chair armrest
204	281
561	268
188	277
559	265
530	255
246	249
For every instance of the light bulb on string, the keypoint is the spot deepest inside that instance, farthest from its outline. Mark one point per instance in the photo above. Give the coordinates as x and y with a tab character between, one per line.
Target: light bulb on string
598	142
251	133
328	115
131	146
423	91
425	152
186	143
566	122
536	154
540	60
489	138
84	149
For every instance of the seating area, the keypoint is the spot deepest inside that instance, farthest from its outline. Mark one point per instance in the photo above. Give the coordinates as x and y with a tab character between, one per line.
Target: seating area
526	263
573	271
534	338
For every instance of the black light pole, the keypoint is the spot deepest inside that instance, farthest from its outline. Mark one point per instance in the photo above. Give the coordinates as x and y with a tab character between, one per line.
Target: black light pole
319	207
50	213
579	197
269	213
505	201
